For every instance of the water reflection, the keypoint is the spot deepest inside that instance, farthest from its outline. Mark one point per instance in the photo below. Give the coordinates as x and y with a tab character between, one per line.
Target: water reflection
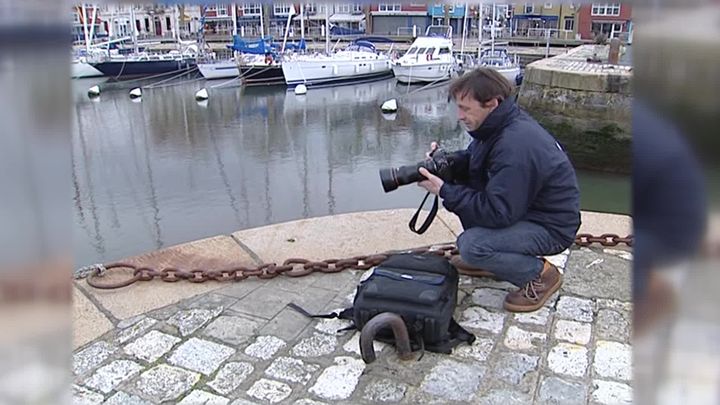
168	170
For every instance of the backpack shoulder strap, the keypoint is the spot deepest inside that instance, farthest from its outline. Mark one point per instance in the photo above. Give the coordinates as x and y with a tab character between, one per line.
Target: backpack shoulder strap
346	313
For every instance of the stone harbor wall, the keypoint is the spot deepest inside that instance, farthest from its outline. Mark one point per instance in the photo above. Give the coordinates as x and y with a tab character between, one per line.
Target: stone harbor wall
586	106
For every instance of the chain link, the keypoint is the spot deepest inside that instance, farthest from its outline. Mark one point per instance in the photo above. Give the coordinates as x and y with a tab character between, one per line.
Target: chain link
292	267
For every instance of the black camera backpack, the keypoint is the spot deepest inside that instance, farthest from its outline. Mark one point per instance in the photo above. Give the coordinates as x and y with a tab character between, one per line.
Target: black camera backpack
422	289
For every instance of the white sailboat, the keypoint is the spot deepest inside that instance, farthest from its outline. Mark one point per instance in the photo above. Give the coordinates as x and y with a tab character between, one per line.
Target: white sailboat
80	67
429	59
358	62
224	69
496	56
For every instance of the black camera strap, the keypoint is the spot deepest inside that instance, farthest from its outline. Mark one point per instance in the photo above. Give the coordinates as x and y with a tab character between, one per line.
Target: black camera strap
433	211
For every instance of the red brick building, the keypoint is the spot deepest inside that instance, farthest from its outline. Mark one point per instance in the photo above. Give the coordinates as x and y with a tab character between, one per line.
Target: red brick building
613	19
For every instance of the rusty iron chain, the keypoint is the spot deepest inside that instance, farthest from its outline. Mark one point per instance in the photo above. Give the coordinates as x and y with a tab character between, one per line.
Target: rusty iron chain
292	267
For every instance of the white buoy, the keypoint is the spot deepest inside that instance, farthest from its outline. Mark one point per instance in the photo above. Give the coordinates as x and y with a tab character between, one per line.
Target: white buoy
136	92
94	91
389	106
201	94
202	103
389	116
300	89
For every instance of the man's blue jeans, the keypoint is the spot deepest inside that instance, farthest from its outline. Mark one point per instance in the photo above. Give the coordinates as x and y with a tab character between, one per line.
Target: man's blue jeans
510	253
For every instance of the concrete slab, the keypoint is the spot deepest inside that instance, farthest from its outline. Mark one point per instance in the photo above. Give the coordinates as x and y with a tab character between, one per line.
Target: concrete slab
212	253
597	223
88	322
352	234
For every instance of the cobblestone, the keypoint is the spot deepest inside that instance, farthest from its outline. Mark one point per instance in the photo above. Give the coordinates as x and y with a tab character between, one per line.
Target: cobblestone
454	381
339	381
106	378
230	376
557	391
200	355
611	393
385	390
317	345
165	383
488	298
122	398
513	368
265	347
479	350
151	346
576	309
568	359
353	345
203	397
573	332
92	356
519	339
136	329
613	360
480	318
539	317
189	321
613	325
270	391
83	396
292	370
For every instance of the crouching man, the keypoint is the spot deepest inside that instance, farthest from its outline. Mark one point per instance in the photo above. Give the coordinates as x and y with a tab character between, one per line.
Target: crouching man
515	192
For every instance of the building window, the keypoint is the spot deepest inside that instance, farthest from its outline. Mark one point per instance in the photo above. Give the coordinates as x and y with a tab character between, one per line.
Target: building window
343	8
356	8
168	24
547	5
281	9
390	7
221	10
569	23
310	9
612	9
529	8
251	9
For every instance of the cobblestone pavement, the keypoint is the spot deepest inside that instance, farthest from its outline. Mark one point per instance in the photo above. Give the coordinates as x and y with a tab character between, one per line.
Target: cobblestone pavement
240	345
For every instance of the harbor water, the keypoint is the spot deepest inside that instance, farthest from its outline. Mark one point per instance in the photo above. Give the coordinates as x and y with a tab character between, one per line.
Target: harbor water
166	169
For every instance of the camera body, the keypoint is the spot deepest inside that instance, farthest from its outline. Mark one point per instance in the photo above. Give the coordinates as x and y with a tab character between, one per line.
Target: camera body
440	164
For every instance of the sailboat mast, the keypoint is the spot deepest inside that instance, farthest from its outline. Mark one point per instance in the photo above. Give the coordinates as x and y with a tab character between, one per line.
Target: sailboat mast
262	26
480	29
464	30
492	30
302	21
234	19
134	27
85	29
327	30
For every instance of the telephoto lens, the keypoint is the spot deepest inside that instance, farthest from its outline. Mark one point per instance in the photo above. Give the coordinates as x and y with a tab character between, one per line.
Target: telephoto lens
393	178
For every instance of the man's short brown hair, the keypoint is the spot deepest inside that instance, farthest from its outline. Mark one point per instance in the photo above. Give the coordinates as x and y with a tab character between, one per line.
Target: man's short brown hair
483	84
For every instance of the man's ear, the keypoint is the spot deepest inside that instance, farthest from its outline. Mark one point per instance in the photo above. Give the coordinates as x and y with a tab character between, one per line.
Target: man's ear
492	104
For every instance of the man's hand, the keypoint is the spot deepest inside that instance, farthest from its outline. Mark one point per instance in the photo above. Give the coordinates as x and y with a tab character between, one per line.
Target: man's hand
432	184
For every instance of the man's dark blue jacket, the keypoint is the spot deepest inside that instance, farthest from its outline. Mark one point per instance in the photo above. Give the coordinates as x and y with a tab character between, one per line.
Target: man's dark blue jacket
514	170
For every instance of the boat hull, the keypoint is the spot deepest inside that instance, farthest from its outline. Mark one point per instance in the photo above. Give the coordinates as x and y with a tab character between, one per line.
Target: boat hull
84	69
422	73
262	75
142	68
220	70
329	72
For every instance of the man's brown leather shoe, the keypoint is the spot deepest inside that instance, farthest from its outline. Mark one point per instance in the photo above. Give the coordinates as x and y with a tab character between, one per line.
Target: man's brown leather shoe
466	269
534	294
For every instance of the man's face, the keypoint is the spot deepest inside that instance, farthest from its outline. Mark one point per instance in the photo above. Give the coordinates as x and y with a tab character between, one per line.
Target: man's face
473	113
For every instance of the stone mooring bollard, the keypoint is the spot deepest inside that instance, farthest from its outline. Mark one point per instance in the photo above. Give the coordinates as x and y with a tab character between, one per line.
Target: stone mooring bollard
614	52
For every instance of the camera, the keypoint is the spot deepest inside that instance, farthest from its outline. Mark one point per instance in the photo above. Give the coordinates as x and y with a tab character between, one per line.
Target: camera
439	164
